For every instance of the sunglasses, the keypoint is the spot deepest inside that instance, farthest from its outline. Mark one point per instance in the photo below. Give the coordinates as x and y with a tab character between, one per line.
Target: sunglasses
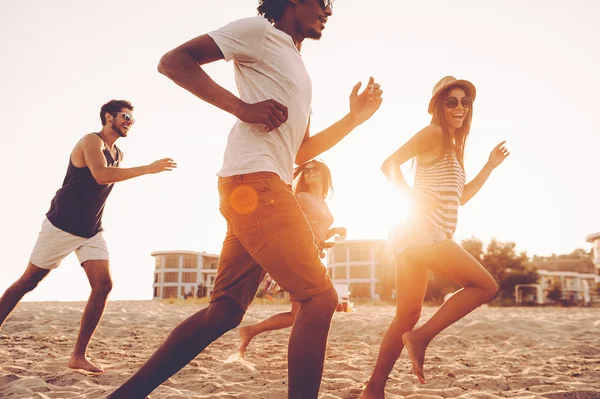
126	116
327	3
452	102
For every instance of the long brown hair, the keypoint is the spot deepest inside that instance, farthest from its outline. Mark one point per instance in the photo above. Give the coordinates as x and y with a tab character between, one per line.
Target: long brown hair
458	141
300	185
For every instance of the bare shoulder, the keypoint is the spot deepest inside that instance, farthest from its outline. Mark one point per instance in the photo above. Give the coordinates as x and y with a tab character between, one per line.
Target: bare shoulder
91	139
304	200
302	196
434	132
89	142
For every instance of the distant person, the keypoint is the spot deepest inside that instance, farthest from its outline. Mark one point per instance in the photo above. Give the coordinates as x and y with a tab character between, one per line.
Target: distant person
313	185
425	241
74	221
266	229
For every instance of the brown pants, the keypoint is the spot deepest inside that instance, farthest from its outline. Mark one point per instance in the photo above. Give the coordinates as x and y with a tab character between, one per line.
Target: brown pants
266	232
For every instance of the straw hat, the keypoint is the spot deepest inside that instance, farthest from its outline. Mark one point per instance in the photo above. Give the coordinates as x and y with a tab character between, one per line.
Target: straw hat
447	82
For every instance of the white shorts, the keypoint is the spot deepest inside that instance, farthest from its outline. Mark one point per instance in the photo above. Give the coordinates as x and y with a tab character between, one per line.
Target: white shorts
54	244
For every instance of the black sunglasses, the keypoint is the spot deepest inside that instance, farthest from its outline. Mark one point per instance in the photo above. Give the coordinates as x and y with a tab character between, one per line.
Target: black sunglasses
327	3
452	102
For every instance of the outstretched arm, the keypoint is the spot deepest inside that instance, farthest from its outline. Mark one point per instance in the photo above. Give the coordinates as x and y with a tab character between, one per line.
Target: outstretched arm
183	66
497	156
362	107
94	159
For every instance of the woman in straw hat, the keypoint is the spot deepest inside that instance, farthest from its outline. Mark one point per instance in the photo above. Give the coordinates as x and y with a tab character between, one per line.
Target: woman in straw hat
312	186
424	242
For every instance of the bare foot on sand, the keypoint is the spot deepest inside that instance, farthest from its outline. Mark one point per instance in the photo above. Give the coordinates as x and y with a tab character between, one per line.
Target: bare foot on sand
81	363
416	352
246	335
368	394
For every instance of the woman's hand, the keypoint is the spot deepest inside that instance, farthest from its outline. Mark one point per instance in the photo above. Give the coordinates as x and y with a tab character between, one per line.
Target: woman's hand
498	155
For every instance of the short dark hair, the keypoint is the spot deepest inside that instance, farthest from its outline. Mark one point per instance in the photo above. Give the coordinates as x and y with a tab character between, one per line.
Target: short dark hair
112	107
272	10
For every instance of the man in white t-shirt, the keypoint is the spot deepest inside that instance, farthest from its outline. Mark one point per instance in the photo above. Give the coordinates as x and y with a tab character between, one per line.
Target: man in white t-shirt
266	229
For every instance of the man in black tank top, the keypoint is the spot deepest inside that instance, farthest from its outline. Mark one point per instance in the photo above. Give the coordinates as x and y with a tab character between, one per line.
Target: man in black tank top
74	221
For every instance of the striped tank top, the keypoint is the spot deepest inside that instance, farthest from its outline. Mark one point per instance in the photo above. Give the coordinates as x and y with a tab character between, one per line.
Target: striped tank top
443	180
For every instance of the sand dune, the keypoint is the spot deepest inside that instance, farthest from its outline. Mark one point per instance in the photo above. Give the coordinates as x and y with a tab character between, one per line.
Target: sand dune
493	353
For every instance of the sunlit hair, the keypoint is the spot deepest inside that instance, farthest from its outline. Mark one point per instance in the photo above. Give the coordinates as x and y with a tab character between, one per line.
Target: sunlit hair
456	143
272	10
300	185
112	107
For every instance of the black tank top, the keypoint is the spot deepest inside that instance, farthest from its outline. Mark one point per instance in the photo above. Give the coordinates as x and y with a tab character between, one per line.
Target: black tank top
78	205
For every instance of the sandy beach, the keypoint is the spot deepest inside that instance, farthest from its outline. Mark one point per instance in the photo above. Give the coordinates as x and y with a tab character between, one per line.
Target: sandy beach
492	353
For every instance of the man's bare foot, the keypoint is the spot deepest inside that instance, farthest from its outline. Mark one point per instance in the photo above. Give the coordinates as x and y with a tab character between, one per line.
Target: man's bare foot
368	394
416	352
81	363
246	335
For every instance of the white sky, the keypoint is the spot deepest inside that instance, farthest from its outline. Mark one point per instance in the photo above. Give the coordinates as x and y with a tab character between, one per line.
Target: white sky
535	65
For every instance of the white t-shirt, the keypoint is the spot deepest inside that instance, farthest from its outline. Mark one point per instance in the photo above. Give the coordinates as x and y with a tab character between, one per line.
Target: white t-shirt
267	66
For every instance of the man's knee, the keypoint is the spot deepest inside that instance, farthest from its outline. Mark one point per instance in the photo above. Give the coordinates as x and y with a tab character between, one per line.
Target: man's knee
225	313
102	287
28	283
325	303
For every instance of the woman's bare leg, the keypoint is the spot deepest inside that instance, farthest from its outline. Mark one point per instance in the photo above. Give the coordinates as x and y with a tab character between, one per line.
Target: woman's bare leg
453	262
275	322
411	285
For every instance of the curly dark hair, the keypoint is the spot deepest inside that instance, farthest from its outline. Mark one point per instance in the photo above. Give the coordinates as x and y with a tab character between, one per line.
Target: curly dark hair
112	107
272	10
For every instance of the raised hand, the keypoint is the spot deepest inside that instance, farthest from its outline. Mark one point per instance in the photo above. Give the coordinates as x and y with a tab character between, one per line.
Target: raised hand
162	165
365	104
342	232
498	155
269	113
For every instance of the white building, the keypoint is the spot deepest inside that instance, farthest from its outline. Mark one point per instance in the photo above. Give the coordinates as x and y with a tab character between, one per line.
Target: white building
181	273
576	279
595	240
365	266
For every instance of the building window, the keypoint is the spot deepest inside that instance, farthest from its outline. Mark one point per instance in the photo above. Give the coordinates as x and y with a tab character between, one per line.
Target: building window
157	278
170	292
158	261
171	277
212	280
155	292
171	261
360	253
189	277
363	271
190	261
210	263
339	253
339	272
